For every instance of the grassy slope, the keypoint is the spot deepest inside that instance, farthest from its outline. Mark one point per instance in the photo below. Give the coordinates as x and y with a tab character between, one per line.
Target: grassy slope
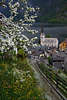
17	80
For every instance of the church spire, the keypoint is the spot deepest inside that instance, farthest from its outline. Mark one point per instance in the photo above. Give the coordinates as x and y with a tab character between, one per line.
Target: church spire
42	31
42	35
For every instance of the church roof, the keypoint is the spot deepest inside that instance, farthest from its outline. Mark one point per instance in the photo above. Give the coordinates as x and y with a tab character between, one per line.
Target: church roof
53	39
50	39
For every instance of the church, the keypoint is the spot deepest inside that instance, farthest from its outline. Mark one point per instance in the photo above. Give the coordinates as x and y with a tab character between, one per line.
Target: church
48	42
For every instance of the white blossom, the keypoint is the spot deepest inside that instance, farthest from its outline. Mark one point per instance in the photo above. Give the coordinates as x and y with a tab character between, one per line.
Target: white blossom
12	33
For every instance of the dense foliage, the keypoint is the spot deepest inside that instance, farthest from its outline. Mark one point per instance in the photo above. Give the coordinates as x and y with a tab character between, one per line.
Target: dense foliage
17	80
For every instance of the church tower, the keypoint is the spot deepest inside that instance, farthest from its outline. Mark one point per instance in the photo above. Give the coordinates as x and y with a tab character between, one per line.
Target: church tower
42	36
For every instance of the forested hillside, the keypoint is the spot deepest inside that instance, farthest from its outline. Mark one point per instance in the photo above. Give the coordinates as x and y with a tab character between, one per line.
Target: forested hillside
54	11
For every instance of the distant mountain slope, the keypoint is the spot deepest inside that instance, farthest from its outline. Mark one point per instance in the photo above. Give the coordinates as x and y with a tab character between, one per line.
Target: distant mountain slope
54	11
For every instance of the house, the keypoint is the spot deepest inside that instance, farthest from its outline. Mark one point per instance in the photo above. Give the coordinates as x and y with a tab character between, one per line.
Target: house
59	60
63	46
48	42
65	64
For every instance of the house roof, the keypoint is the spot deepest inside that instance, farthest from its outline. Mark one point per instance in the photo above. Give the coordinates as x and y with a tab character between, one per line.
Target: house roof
50	40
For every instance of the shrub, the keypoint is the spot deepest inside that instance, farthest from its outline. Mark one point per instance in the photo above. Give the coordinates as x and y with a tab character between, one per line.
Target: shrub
21	53
18	84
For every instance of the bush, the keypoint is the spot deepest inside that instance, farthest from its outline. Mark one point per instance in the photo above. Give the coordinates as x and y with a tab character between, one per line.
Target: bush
50	60
17	81
21	53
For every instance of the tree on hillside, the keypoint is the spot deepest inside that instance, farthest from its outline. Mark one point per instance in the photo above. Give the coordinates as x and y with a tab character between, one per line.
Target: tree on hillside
48	36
